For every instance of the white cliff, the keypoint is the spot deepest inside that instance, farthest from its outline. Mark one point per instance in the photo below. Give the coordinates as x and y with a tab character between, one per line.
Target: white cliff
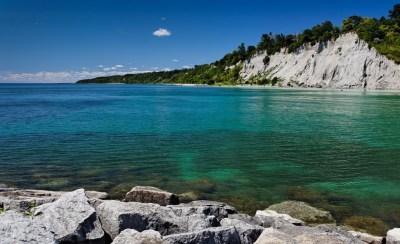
347	62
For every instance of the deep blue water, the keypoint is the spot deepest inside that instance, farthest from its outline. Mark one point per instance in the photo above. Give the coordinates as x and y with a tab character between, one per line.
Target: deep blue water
339	150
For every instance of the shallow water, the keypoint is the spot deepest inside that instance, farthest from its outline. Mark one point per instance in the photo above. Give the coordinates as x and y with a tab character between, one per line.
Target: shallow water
339	150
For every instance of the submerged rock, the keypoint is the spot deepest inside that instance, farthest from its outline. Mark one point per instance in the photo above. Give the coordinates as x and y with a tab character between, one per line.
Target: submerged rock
18	228
149	194
303	211
368	224
131	236
70	218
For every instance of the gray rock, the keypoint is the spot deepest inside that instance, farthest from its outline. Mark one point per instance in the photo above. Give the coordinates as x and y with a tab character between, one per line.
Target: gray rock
393	236
117	216
209	236
131	236
11	193
94	202
248	233
218	209
246	218
367	238
303	211
24	200
149	194
271	236
18	228
3	186
270	218
304	234
70	218
198	222
96	195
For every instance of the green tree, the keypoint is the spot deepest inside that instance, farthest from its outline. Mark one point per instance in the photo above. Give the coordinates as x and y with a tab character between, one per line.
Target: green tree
394	14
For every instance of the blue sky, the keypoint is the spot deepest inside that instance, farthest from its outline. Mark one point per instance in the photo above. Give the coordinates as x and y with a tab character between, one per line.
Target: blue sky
66	40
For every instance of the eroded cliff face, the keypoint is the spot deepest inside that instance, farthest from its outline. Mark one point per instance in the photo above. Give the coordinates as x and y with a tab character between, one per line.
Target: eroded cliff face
345	63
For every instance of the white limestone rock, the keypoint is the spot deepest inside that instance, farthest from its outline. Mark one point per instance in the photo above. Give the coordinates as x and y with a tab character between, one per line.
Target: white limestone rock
70	218
393	236
16	227
347	62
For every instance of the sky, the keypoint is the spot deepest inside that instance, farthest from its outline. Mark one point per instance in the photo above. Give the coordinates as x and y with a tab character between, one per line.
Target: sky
67	40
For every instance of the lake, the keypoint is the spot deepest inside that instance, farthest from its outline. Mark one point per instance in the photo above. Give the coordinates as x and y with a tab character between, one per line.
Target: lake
338	150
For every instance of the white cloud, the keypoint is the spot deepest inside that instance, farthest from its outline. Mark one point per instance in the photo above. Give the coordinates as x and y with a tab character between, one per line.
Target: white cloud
119	66
186	67
162	32
175	60
167	69
100	66
61	76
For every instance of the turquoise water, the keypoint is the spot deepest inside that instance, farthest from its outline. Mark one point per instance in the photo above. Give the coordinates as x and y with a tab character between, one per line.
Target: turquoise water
339	150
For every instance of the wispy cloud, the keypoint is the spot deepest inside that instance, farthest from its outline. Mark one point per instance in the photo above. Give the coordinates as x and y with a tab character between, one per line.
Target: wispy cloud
175	60
167	69
119	66
186	67
61	76
162	32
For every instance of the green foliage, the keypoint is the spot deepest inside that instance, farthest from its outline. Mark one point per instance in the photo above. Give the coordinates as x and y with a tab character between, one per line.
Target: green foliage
394	14
382	34
266	60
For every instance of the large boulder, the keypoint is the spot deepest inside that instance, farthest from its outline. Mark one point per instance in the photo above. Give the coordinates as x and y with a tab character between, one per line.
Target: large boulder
304	212
117	216
393	236
270	218
248	233
149	194
131	236
15	227
209	236
70	218
218	209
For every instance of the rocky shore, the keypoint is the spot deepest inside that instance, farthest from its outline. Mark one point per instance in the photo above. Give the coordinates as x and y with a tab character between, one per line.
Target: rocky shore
149	215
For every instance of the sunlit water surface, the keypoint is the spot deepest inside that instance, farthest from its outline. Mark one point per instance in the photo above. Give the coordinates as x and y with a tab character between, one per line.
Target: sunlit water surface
339	150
